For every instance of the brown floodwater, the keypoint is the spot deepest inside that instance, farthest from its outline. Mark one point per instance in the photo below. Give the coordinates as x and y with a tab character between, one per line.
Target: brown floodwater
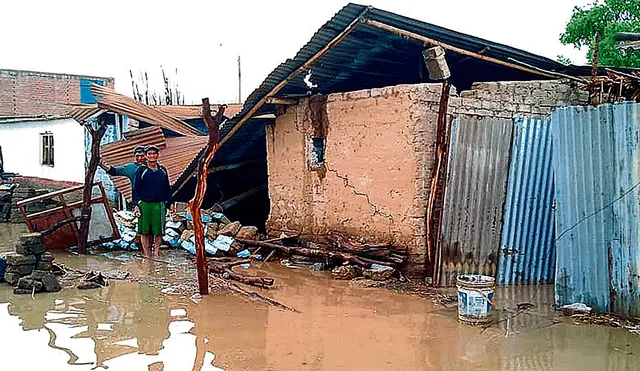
143	326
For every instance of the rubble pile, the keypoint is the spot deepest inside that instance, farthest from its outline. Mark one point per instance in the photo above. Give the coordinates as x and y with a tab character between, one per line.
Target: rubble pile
220	233
29	267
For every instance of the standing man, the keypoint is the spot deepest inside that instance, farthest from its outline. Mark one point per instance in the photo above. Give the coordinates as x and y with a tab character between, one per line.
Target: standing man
127	170
151	197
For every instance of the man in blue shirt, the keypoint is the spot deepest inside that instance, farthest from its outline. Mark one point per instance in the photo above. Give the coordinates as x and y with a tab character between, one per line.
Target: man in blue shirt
127	170
151	197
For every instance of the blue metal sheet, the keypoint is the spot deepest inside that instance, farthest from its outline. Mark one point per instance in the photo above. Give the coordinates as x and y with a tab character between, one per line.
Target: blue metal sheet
597	172
527	249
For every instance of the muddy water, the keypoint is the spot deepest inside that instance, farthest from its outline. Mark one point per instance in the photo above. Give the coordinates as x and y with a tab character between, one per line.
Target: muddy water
132	326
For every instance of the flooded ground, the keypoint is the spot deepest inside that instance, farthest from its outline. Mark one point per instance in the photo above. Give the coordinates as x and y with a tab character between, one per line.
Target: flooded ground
138	326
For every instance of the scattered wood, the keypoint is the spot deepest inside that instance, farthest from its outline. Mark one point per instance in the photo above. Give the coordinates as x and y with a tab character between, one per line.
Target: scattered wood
382	252
256	296
315	253
224	268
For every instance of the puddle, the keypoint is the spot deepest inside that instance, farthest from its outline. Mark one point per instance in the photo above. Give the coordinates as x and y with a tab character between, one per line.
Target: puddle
134	326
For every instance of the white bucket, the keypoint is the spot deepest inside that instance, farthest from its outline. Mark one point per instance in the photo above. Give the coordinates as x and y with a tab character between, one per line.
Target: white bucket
475	297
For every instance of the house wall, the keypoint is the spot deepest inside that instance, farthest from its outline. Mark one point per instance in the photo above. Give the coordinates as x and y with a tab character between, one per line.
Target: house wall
379	154
38	93
21	149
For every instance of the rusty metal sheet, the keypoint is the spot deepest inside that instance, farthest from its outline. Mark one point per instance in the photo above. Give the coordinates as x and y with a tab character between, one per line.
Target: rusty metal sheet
474	197
110	100
527	248
195	111
596	161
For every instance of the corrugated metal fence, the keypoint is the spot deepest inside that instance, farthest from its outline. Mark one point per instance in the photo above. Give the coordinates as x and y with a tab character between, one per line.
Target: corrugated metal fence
474	197
597	163
527	251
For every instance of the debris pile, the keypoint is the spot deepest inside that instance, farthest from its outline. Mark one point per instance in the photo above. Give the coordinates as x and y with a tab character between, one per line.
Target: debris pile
30	267
346	258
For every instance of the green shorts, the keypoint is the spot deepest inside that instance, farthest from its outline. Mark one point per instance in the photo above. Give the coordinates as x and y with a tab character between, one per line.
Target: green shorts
152	218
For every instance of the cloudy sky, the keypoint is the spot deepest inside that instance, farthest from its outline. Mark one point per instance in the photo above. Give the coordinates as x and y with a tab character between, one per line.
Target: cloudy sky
203	39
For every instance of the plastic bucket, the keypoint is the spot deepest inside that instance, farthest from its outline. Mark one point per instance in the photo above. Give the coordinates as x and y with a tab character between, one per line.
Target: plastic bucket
475	297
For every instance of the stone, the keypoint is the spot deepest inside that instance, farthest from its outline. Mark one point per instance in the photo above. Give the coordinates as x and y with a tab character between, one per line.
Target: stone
381	274
190	225
344	272
12	278
248	233
186	235
50	283
38	274
44	266
22	270
30	249
46	257
34	238
88	286
18	259
212	231
30	283
19	291
230	229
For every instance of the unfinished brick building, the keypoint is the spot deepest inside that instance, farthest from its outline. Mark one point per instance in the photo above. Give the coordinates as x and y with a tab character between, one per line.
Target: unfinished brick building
31	93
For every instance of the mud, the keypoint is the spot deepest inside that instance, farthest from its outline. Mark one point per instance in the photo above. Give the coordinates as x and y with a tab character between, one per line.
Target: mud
142	326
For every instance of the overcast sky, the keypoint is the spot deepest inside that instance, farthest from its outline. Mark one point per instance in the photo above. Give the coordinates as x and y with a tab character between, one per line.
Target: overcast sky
202	39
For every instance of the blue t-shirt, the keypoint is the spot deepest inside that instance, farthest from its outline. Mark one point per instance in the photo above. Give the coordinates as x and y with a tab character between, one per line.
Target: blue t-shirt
128	170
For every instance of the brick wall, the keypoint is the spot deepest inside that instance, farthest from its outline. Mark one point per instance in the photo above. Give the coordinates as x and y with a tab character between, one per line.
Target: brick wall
379	154
37	93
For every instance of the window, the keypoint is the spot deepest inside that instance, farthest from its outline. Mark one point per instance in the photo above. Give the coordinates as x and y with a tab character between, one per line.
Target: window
316	153
47	149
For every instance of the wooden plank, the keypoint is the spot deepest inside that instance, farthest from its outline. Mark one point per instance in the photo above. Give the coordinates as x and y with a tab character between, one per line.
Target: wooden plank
411	35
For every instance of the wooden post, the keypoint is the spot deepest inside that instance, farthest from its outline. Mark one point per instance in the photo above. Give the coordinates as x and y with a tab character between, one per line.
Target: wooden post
213	126
85	213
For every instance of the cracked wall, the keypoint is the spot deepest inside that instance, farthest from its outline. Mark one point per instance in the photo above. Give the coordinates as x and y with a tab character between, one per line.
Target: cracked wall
378	151
379	154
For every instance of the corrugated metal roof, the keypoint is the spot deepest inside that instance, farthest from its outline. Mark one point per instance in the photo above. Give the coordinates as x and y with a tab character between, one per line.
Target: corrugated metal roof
369	57
110	100
195	111
474	197
83	112
596	160
176	153
527	248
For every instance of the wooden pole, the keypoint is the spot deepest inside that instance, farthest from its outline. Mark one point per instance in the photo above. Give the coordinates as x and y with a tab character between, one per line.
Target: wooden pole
213	126
454	49
85	211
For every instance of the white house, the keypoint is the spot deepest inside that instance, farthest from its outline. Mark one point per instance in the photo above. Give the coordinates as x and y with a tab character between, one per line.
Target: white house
49	147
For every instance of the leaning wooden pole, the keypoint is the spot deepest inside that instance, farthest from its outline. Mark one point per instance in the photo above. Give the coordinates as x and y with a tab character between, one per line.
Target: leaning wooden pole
213	126
85	211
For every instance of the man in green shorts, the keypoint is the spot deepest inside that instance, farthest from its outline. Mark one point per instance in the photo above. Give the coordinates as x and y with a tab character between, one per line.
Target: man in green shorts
151	197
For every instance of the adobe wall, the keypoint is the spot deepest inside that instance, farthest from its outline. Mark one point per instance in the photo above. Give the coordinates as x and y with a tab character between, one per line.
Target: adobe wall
379	154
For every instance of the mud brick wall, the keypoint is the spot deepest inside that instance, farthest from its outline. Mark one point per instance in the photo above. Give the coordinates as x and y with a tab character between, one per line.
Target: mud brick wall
37	93
379	153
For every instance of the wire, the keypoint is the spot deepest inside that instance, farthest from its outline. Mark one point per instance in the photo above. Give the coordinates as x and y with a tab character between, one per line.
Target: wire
598	211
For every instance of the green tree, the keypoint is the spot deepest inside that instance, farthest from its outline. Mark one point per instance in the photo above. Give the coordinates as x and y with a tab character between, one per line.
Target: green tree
607	18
